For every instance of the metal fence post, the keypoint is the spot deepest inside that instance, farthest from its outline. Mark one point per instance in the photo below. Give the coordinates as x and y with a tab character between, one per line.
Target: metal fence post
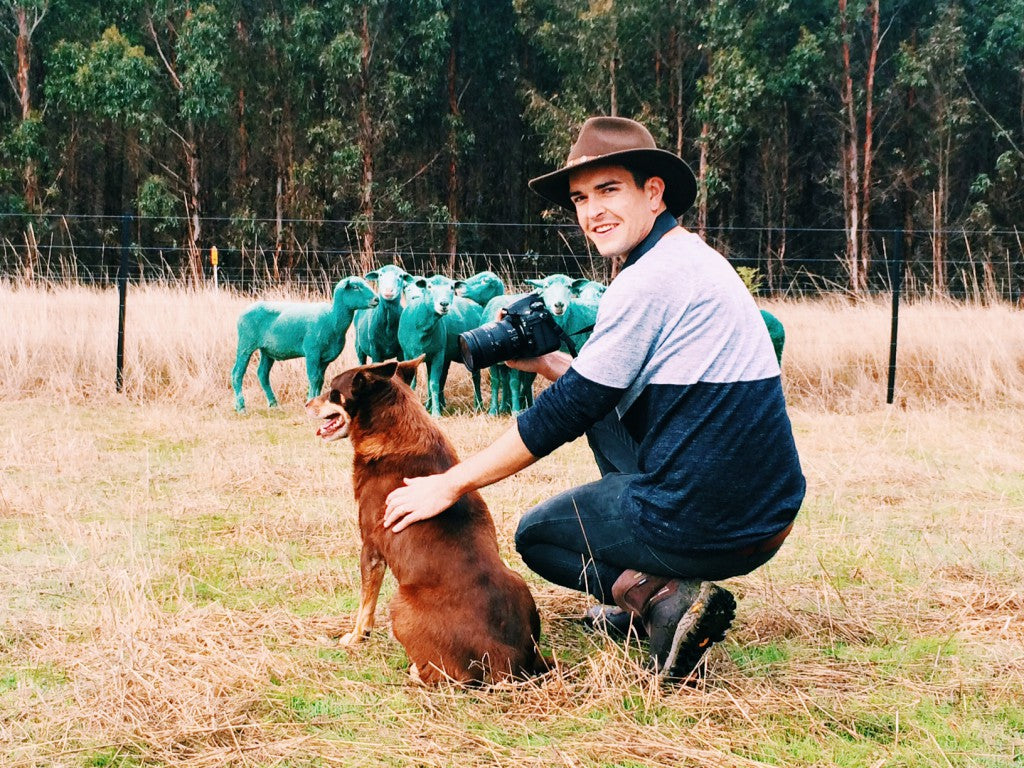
896	281
122	292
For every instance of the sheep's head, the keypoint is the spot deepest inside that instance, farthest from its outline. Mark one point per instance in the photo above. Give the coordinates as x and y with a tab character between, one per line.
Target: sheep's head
556	290
441	291
482	287
390	280
354	293
588	291
414	289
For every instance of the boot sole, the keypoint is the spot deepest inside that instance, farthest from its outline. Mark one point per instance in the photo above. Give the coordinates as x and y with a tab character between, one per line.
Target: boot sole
704	623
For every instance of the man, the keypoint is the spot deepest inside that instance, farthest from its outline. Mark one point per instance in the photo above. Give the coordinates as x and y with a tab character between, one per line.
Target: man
678	391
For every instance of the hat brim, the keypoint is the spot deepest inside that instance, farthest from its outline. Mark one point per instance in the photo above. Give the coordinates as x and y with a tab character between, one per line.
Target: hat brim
680	183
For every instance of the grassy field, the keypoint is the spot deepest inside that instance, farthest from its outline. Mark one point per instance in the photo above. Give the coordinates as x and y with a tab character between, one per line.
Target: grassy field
173	575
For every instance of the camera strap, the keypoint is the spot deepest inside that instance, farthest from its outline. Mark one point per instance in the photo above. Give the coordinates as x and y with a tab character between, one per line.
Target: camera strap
565	337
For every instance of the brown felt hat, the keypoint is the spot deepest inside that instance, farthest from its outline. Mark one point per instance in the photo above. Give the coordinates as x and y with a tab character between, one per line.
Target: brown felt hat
620	141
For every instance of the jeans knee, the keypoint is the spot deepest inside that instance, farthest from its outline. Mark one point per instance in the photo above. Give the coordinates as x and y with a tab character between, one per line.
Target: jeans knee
523	539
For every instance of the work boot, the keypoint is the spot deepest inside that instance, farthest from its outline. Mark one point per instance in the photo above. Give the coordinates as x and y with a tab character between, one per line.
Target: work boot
614	622
683	618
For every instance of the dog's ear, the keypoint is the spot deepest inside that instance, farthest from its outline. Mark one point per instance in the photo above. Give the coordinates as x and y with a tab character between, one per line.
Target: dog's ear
407	369
363	380
370	376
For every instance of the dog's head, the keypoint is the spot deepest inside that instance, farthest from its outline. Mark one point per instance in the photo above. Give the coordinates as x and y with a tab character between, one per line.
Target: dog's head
336	407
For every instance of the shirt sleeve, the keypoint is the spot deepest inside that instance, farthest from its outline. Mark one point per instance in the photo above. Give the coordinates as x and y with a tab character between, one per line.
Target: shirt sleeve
564	411
629	323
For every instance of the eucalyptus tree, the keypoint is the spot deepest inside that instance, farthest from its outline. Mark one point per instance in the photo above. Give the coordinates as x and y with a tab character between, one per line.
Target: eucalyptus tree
777	157
19	20
188	43
935	68
995	80
381	66
102	94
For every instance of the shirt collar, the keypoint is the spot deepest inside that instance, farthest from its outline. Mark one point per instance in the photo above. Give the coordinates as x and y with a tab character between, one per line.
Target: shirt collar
662	224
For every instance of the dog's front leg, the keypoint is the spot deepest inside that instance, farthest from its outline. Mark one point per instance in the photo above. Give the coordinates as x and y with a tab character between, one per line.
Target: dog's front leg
371	572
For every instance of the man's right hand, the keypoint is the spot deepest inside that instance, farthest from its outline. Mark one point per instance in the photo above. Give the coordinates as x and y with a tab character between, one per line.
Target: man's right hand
551	366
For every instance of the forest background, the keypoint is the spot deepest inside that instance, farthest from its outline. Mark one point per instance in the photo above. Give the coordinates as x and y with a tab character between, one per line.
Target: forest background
322	137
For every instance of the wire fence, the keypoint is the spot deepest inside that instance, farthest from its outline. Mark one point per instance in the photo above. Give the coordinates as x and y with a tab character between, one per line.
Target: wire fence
252	254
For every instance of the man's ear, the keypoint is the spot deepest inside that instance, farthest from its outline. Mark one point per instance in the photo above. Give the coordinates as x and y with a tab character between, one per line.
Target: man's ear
654	187
407	369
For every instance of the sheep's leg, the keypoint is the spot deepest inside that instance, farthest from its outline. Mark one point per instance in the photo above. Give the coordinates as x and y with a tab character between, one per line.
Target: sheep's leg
506	387
515	386
521	384
478	401
263	374
434	387
444	380
526	386
496	375
238	373
315	373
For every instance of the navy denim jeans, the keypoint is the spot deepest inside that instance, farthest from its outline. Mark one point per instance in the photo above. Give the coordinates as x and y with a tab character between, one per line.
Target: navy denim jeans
581	539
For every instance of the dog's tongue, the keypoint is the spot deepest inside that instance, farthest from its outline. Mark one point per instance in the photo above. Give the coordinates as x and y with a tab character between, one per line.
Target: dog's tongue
329	428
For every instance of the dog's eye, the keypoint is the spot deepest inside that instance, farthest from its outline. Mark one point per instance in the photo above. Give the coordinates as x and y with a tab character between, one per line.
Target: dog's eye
335	397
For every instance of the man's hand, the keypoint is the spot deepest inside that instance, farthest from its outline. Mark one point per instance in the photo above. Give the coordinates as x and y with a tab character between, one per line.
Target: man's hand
550	366
421	498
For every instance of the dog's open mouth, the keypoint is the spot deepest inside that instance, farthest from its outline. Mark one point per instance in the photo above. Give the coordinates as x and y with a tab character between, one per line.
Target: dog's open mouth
335	426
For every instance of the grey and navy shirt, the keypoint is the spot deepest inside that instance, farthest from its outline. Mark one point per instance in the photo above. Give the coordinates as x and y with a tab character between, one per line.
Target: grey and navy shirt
681	352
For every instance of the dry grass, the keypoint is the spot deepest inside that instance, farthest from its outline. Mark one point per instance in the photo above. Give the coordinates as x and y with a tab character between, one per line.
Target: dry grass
181	344
173	574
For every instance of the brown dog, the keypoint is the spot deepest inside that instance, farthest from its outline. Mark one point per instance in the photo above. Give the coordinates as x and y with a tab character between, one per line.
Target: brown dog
460	613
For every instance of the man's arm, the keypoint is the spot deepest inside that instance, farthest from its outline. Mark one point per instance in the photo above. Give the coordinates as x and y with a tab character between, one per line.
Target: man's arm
424	497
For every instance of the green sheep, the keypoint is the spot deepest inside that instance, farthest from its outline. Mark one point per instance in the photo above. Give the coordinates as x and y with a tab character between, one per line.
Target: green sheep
776	331
282	330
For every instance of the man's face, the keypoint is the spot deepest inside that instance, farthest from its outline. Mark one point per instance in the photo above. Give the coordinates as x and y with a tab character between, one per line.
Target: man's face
613	211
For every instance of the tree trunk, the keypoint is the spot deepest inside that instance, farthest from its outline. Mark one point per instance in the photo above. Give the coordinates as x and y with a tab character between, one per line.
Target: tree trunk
702	181
284	156
194	206
453	156
278	224
366	256
613	87
940	276
784	219
869	118
850	161
243	141
23	47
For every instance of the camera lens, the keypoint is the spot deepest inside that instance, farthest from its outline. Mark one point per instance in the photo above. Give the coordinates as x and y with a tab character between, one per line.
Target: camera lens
489	344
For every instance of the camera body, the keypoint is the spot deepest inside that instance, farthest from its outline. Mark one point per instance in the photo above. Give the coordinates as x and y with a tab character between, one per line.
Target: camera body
526	330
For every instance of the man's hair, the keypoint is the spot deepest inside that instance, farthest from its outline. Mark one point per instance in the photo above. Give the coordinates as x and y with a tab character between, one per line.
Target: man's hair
640	177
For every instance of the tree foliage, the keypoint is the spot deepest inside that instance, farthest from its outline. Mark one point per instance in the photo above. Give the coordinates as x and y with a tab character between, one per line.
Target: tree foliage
304	128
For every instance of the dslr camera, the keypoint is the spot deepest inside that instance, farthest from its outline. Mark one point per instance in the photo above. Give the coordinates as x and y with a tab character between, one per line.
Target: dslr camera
526	330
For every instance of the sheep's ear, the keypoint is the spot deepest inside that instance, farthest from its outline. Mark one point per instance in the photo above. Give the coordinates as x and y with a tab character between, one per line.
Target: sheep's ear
407	369
536	283
578	285
421	282
372	276
460	287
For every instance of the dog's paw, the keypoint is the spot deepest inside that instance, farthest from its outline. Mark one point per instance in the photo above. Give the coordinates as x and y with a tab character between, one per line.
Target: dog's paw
352	638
